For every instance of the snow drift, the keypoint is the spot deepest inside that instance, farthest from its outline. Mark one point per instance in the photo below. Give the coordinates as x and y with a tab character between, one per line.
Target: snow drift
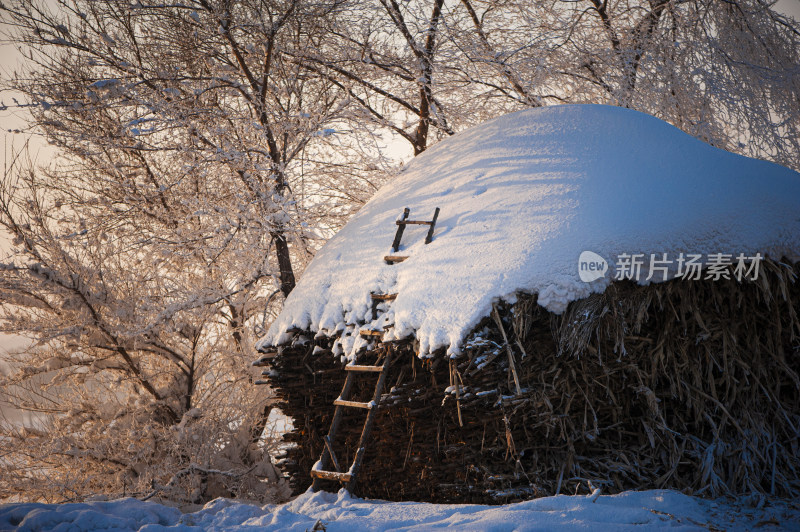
649	510
521	197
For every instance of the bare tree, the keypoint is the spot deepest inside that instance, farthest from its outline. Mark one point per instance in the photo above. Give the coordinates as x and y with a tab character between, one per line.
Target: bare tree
423	69
723	71
384	56
149	257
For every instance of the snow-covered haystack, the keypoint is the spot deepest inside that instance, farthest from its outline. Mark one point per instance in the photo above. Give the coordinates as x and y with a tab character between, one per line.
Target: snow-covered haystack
521	197
666	357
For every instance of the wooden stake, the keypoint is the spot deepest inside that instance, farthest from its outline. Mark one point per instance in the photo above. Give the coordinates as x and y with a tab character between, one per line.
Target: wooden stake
400	229
454	377
333	455
429	237
511	363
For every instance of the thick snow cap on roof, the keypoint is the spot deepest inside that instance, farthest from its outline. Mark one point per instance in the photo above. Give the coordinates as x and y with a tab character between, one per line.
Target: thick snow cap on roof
521	197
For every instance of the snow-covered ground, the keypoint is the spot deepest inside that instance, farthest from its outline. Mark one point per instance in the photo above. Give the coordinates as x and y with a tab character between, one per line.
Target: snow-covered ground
644	510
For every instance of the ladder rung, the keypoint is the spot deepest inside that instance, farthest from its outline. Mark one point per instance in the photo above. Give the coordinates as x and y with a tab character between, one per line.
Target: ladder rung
354	404
384	297
355	367
413	222
370	332
331	475
391	259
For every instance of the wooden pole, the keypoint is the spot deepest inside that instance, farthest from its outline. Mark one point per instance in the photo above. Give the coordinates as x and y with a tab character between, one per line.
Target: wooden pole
511	363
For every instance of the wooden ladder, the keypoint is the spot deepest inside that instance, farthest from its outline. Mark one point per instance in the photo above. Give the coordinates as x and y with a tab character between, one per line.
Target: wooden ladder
377	299
321	470
401	226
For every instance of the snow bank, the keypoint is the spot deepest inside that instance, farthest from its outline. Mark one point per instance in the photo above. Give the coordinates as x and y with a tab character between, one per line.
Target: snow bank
650	510
521	197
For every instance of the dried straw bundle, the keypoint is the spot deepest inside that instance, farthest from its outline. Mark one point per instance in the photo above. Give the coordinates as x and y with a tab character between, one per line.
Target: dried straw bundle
690	385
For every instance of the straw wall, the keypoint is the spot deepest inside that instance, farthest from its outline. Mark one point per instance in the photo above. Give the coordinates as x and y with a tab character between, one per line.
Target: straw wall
690	385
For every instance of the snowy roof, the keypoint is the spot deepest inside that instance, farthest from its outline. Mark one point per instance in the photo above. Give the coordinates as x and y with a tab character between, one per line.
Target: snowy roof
521	197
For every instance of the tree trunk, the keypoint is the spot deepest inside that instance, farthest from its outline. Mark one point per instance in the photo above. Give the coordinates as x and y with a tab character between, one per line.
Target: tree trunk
284	263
